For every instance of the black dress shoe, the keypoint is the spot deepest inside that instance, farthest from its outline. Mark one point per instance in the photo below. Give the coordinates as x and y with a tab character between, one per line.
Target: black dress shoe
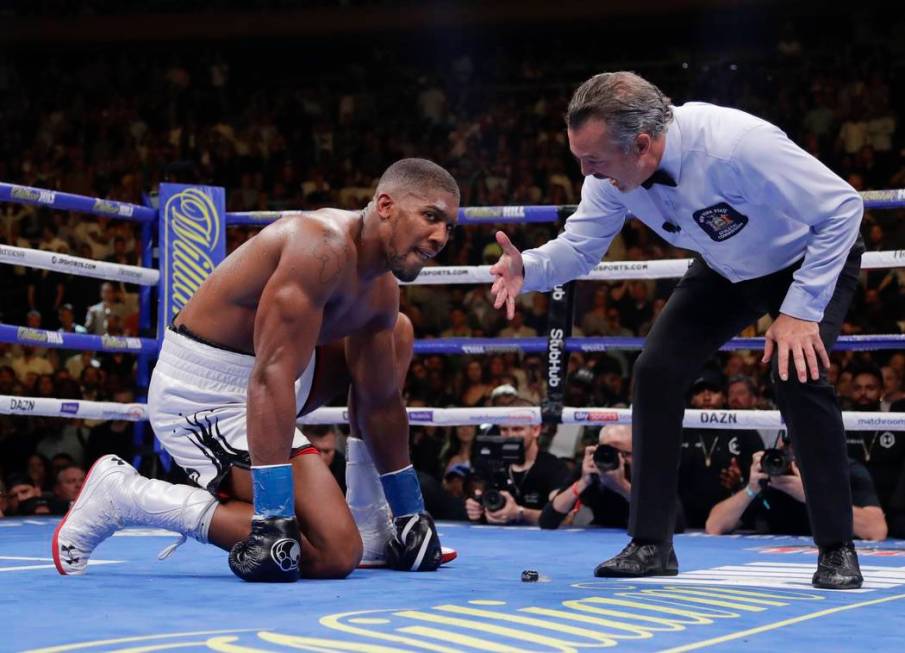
837	568
637	560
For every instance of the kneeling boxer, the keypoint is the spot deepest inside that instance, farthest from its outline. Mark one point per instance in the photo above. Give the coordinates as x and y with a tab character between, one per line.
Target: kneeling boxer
308	302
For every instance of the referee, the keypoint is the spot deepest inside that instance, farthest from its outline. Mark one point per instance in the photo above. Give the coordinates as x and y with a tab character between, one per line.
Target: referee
775	231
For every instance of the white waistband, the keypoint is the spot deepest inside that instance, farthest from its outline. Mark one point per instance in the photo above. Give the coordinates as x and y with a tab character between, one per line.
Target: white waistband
198	359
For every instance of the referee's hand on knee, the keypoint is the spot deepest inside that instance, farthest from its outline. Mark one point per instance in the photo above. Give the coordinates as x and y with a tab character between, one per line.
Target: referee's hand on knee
800	338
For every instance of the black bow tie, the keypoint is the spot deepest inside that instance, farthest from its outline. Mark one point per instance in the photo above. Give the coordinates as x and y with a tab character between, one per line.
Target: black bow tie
659	177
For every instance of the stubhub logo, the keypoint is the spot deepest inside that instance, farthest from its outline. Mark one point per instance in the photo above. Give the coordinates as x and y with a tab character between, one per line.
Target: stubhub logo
421	415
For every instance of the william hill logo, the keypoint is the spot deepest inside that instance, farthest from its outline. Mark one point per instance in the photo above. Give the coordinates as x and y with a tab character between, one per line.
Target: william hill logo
194	233
31	335
27	334
27	194
111	208
119	342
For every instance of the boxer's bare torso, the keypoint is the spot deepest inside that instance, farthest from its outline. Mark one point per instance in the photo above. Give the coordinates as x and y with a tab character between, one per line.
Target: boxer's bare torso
320	249
315	278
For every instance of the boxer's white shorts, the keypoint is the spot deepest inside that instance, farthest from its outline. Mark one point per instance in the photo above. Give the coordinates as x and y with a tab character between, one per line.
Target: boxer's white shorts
197	406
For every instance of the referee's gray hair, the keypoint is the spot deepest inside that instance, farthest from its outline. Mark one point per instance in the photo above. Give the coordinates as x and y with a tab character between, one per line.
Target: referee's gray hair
626	102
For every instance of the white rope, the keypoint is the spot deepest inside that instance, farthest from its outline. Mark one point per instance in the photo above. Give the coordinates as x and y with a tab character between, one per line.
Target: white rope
707	419
74	408
615	270
82	267
890	259
735	419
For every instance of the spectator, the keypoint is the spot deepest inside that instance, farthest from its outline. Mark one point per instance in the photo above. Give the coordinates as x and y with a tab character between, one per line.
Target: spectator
64	436
77	363
454	480
38	471
881	451
458	449
66	317
458	325
742	394
532	482
776	504
476	389
20	489
536	317
635	305
567	438
31	364
96	321
59	461
45	293
601	492
69	480
892	387
479	305
517	327
712	460
595	322
604	492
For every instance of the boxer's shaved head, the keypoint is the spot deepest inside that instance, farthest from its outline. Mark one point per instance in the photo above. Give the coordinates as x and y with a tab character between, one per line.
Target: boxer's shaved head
415	175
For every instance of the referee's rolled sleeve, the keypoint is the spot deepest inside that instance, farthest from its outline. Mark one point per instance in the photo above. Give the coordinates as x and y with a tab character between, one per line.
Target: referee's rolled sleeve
585	239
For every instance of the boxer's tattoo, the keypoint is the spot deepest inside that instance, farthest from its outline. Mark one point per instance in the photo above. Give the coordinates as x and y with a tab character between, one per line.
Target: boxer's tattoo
329	254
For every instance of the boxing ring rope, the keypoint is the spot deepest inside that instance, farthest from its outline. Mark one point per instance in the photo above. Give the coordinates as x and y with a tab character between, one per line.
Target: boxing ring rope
619	270
75	265
538	344
873	199
707	419
69	202
148	277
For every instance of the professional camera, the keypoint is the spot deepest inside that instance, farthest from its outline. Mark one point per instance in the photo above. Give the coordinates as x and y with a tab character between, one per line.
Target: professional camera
493	455
776	462
606	458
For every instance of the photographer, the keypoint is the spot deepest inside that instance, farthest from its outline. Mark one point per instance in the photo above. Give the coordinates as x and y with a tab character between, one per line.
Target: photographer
603	485
524	488
773	500
711	461
881	451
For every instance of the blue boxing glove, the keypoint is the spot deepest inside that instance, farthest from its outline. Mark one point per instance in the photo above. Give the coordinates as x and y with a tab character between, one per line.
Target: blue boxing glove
273	550
415	545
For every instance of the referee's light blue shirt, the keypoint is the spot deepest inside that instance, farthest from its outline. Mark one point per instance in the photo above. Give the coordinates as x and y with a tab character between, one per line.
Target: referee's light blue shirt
748	199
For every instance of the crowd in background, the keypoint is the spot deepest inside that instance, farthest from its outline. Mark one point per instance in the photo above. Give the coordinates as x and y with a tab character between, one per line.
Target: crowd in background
112	124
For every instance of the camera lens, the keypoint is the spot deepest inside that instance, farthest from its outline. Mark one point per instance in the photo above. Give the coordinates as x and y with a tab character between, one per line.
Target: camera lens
492	500
775	462
606	458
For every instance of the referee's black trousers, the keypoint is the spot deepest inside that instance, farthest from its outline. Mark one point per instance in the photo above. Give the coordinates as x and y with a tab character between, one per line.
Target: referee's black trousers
704	311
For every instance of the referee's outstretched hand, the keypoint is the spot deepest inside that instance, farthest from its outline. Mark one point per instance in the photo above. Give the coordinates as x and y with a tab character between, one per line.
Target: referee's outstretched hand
509	275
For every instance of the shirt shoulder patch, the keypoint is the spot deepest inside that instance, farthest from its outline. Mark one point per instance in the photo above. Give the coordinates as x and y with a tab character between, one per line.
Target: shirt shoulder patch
720	221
